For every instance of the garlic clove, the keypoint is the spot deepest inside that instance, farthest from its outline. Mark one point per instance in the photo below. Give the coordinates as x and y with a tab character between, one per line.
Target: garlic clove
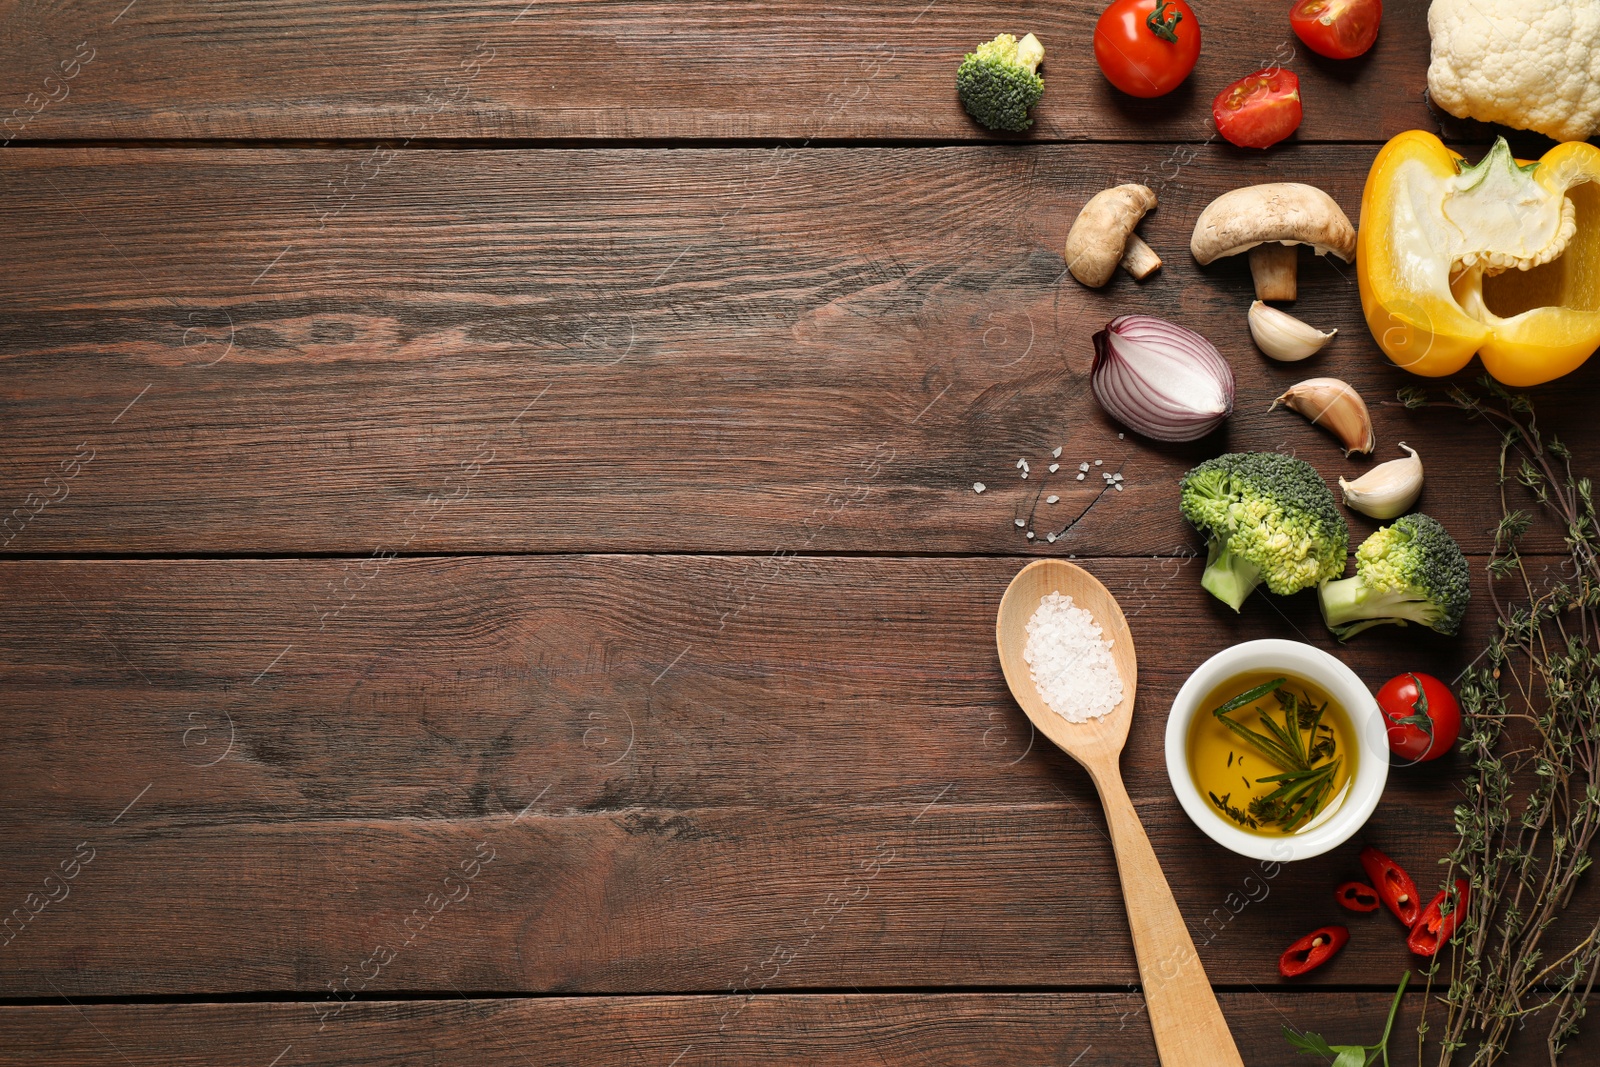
1388	490
1336	407
1284	337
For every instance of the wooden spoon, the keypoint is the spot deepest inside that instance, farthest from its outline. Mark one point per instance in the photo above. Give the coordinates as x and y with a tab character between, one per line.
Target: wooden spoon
1189	1028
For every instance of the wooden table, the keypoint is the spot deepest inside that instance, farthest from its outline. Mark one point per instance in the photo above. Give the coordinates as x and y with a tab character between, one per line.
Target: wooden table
510	588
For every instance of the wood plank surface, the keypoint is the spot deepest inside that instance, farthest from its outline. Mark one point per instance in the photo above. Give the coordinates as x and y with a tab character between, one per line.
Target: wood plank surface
804	71
491	566
636	350
665	795
830	1030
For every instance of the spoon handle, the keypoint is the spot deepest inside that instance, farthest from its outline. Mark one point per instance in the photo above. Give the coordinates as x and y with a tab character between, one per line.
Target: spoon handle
1184	1015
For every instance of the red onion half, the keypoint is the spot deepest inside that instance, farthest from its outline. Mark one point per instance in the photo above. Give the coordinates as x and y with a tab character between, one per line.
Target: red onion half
1159	379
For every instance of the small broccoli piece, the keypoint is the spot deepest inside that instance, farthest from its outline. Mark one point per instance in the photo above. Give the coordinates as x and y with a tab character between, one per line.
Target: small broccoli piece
1269	519
998	84
1410	571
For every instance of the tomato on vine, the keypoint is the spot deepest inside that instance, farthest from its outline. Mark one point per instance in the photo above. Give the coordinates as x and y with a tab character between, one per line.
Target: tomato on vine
1421	716
1147	47
1338	29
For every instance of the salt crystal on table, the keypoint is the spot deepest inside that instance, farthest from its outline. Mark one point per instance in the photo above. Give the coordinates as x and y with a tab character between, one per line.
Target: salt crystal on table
978	487
1070	661
1056	454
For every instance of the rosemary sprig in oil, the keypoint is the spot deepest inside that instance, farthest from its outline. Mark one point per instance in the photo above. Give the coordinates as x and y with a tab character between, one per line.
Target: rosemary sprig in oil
1302	746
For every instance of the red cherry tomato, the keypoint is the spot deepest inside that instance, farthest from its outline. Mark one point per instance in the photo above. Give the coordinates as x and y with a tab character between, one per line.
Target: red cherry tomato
1260	109
1338	29
1147	47
1421	715
1312	951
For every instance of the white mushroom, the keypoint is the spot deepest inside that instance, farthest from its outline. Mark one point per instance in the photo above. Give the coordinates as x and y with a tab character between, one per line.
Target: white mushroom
1102	236
1268	221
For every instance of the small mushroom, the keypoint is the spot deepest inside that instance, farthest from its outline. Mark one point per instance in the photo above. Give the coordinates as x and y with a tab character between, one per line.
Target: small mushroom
1268	221
1102	236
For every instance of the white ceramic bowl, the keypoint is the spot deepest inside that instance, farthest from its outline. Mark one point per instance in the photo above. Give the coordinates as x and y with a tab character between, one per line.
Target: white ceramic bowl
1341	683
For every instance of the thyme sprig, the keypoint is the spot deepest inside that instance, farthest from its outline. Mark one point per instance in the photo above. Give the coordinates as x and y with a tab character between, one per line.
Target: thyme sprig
1531	729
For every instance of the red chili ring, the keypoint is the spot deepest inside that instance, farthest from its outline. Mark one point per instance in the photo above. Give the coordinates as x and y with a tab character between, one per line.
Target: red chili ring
1312	951
1435	929
1394	886
1358	896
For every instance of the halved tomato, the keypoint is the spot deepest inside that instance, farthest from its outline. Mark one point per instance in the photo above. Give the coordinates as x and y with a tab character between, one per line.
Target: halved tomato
1338	29
1259	109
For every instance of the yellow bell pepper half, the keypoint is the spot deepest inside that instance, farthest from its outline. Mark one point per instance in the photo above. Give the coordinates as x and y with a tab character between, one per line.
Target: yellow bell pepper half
1500	259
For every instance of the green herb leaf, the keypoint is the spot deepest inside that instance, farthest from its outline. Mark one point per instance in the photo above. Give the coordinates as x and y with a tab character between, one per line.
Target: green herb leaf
1412	396
1297	745
1260	742
1350	1055
1249	696
1308	1042
1288	737
1238	816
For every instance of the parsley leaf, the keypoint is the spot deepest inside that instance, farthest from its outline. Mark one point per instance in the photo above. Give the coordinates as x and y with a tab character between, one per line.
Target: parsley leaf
1350	1055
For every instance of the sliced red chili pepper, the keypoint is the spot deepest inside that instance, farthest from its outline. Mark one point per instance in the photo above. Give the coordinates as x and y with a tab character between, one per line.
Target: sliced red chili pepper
1434	929
1395	887
1312	951
1358	896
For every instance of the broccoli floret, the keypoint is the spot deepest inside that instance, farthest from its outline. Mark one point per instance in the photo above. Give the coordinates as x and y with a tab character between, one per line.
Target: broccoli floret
1269	519
998	84
1410	571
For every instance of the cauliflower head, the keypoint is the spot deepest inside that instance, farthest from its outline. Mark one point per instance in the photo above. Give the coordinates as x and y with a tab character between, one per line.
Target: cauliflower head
1530	64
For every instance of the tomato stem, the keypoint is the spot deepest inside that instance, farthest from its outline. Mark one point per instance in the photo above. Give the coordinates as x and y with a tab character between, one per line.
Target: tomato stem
1163	25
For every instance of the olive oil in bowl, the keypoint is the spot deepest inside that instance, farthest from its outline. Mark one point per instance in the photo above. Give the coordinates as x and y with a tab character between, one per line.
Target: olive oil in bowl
1272	752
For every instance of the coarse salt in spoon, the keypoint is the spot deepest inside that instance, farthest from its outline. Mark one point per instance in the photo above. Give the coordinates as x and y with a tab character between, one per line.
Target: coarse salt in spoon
1184	1016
